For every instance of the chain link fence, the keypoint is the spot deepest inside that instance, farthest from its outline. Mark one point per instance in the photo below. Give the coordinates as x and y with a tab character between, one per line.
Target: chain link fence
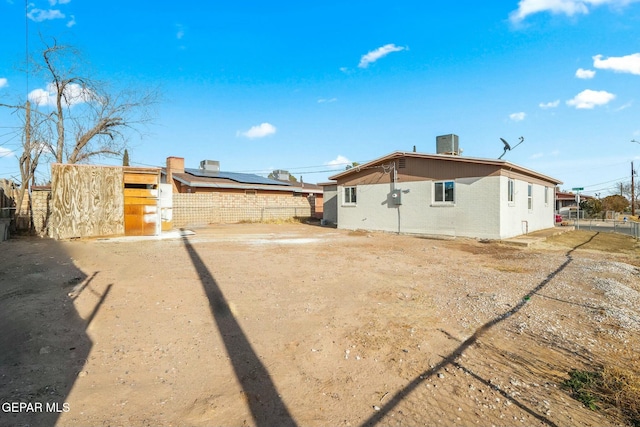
631	228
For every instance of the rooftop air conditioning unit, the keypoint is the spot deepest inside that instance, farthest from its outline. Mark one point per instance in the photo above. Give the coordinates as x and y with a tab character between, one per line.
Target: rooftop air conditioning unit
210	165
281	175
447	144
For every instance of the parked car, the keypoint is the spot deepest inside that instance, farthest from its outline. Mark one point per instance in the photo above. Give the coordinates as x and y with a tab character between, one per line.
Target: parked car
558	218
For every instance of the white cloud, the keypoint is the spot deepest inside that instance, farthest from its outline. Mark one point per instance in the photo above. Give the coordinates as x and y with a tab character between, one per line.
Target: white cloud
39	15
380	52
5	152
581	73
339	162
536	156
566	7
3	82
552	104
587	99
54	2
325	100
260	131
517	117
71	22
620	64
180	31
625	106
74	94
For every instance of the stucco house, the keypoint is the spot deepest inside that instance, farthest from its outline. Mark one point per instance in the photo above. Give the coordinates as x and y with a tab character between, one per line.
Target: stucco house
441	195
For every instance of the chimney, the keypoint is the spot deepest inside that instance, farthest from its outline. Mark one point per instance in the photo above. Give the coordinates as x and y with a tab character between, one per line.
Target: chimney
174	165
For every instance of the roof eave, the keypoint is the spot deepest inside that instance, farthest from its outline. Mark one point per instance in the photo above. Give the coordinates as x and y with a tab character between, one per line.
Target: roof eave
240	186
495	162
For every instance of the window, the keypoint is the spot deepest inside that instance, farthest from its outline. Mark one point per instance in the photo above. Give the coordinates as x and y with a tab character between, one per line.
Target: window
511	190
530	196
349	196
546	196
443	191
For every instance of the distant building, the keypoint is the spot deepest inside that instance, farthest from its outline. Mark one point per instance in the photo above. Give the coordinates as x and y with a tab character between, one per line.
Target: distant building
567	203
207	195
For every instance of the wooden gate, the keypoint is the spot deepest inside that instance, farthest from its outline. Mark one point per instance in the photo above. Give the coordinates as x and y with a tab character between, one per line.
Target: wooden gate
141	216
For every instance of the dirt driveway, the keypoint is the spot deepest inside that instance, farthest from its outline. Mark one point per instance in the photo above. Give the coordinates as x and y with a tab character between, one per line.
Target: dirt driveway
285	325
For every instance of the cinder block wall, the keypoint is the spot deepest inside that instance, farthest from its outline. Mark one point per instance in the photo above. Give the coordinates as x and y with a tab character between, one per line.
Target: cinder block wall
190	209
40	205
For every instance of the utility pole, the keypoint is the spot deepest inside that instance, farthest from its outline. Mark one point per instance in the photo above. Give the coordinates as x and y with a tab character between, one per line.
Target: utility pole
633	192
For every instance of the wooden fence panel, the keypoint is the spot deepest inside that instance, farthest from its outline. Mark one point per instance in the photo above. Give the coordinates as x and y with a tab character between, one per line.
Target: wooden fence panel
86	201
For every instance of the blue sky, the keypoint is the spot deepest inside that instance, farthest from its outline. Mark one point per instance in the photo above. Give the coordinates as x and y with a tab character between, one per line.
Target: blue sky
308	86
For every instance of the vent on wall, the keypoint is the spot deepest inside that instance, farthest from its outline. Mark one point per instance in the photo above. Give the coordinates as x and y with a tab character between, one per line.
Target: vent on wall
402	163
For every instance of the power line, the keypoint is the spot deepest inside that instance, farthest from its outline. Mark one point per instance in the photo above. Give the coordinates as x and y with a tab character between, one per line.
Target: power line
26	41
606	182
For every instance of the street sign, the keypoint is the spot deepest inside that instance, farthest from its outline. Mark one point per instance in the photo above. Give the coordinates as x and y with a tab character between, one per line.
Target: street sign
578	189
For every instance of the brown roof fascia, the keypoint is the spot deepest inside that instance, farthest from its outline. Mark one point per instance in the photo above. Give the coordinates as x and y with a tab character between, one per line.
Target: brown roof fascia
503	164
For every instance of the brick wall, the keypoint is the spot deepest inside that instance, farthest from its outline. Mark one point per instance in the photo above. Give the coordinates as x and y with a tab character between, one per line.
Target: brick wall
191	209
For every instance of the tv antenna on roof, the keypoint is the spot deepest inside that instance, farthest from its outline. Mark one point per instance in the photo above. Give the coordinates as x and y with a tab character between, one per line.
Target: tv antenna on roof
508	147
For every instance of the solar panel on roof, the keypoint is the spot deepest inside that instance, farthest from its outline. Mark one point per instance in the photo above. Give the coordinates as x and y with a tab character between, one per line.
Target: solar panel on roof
245	178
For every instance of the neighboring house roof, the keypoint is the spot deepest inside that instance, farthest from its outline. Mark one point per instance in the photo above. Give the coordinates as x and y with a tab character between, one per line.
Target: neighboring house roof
562	195
199	178
304	186
244	178
448	158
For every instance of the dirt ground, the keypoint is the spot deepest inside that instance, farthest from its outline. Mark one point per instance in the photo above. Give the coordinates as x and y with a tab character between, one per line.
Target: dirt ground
300	325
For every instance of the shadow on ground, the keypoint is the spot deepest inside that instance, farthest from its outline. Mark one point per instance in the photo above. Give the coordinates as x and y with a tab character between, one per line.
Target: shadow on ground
452	359
265	404
43	340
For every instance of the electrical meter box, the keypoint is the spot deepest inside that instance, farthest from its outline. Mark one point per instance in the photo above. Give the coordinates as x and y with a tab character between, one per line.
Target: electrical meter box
396	197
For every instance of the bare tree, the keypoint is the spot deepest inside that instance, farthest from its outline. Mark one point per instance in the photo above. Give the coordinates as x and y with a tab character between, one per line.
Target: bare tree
88	120
34	145
624	189
75	118
616	203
